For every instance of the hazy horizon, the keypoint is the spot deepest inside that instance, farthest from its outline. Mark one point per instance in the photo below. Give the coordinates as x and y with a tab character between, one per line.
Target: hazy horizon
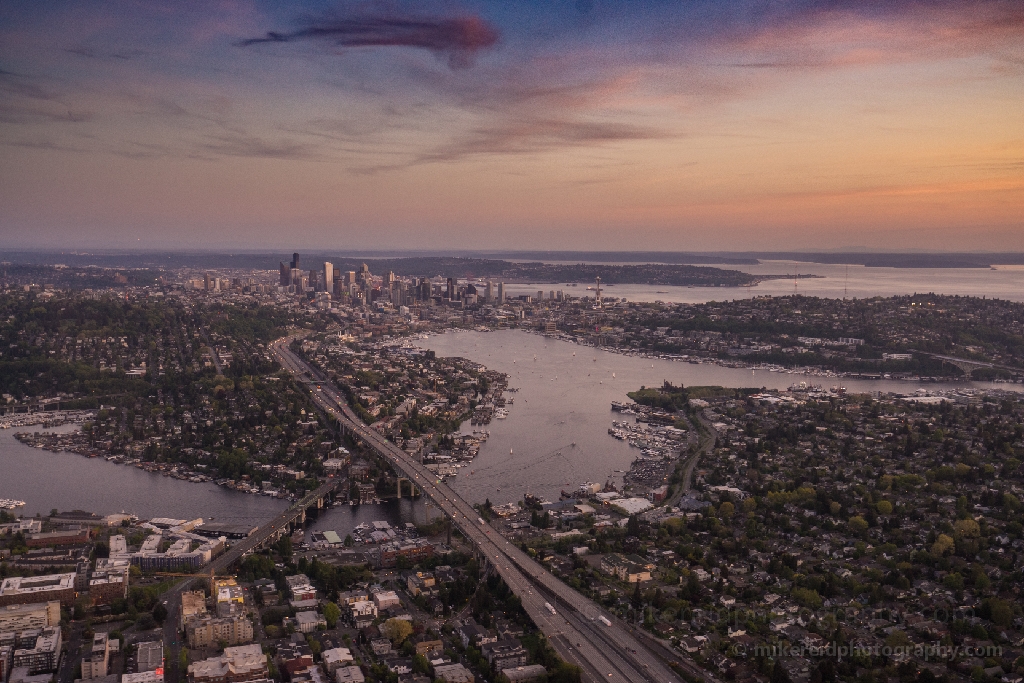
707	126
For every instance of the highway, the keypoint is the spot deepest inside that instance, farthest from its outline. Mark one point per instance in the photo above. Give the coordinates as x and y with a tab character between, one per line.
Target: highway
607	653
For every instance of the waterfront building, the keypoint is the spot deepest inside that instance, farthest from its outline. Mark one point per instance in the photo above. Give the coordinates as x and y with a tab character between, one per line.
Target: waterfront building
19	590
179	556
414	550
49	539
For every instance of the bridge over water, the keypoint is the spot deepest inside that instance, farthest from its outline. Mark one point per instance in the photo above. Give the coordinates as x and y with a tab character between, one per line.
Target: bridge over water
573	624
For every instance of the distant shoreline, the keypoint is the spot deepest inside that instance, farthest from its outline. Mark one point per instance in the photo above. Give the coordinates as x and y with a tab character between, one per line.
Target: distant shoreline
267	259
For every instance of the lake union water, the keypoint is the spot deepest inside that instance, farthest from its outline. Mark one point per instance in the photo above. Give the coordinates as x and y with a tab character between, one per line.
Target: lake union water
67	481
565	394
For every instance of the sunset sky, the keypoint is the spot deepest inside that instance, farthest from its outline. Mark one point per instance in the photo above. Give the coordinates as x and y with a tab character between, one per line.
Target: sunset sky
688	125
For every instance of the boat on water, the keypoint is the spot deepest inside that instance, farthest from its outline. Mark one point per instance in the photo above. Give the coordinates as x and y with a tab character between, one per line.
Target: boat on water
10	503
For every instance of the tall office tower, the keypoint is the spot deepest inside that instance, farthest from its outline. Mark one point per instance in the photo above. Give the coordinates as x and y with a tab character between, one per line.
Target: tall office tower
501	292
364	273
206	282
350	277
295	261
450	292
314	280
489	295
328	276
424	289
286	275
389	277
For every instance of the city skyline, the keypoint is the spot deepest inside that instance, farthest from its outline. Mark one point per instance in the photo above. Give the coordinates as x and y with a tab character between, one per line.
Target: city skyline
475	125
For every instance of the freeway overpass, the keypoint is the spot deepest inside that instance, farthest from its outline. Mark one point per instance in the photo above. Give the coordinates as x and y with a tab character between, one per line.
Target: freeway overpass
612	652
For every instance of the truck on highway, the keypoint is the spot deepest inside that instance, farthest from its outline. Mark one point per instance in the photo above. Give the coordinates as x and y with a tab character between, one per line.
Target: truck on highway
481	520
604	620
550	608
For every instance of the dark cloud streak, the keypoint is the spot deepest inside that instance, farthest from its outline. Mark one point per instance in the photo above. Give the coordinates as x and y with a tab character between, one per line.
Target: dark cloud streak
458	38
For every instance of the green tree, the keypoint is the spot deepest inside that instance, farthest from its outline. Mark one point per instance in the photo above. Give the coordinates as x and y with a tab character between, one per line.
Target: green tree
284	547
637	599
420	665
858	524
331	614
396	630
1000	612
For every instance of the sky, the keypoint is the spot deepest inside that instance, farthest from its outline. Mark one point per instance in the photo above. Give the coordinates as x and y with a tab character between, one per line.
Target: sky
444	124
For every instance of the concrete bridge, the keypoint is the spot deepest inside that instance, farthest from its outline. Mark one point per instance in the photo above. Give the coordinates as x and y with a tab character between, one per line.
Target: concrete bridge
968	366
604	647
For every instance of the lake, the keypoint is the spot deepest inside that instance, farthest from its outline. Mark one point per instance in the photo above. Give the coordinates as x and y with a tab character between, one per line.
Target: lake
69	481
564	398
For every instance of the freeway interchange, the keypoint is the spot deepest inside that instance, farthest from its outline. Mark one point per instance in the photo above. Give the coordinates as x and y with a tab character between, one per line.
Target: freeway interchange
570	621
